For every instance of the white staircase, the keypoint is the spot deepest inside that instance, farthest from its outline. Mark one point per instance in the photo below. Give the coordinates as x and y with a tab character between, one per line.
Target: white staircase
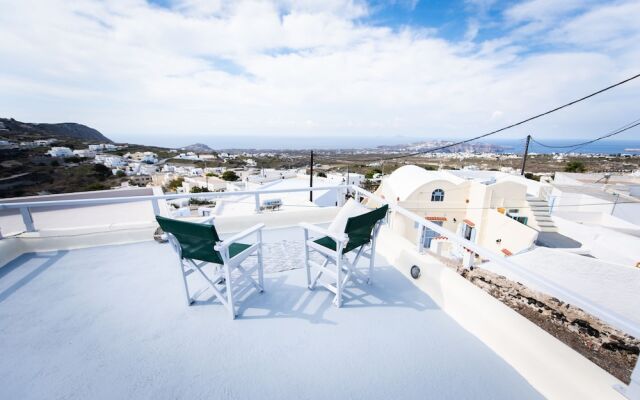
541	213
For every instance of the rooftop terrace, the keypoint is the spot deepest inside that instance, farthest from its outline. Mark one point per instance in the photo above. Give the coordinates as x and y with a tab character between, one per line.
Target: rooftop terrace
110	322
98	312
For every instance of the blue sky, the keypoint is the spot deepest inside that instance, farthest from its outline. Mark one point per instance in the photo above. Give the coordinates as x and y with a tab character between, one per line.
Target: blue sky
450	18
177	69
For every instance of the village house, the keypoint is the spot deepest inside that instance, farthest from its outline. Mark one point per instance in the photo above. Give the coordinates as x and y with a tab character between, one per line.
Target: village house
492	212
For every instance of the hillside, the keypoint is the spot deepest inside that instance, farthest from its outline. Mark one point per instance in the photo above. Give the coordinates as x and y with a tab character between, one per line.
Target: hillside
17	130
198	148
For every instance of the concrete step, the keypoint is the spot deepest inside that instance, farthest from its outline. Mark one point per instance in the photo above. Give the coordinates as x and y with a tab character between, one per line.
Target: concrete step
541	214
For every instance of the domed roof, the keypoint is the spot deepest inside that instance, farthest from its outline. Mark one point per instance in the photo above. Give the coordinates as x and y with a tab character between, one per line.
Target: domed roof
409	178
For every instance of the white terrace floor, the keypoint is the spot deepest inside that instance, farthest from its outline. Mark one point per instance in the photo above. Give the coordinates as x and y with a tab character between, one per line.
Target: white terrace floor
111	322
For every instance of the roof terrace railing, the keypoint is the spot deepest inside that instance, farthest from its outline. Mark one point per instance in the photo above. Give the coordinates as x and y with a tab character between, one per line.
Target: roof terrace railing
341	190
486	254
26	207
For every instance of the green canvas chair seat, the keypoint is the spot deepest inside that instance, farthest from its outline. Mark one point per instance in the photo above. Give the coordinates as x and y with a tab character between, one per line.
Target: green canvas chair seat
359	235
358	230
200	242
332	245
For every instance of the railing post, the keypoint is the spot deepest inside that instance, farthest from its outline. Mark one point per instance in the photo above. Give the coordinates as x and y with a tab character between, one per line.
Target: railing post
356	194
340	197
421	229
257	200
27	219
467	258
156	207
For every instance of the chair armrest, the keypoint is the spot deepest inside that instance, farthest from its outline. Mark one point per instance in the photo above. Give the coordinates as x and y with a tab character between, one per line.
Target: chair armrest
207	220
342	237
223	244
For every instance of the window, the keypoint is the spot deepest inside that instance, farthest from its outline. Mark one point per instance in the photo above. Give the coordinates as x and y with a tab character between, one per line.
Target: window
513	214
437	195
467	231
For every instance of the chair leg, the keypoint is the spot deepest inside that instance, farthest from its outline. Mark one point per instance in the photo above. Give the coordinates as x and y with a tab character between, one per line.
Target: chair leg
184	281
229	304
315	280
260	263
338	298
372	259
306	258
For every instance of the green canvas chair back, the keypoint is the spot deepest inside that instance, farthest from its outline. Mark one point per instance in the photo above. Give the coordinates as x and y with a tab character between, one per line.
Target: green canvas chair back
196	240
359	228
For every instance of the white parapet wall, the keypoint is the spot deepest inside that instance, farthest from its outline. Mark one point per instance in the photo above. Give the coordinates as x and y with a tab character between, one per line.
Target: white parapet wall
82	215
554	369
68	238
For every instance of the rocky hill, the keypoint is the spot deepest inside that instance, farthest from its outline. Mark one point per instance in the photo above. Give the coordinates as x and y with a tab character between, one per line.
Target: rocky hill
198	148
23	130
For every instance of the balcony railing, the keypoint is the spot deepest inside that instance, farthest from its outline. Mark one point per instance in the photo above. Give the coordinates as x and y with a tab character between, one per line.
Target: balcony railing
341	191
26	207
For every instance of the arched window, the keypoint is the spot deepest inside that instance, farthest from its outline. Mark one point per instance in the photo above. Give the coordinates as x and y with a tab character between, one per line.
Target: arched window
437	195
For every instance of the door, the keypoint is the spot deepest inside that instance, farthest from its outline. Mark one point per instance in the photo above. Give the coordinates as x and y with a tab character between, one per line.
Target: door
428	235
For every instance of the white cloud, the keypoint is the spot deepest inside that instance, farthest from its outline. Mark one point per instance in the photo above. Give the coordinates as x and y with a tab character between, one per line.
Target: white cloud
314	68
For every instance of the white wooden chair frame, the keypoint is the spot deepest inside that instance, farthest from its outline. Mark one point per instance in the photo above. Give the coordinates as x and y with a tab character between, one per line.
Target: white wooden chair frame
223	272
345	270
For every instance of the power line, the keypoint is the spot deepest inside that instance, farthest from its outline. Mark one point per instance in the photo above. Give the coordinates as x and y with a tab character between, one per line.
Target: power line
626	127
509	126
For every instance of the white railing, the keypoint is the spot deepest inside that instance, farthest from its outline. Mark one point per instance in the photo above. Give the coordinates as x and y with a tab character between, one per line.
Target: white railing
546	286
26	207
484	253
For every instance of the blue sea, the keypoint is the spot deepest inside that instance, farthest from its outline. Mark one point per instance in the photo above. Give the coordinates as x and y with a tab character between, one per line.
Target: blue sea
268	142
600	147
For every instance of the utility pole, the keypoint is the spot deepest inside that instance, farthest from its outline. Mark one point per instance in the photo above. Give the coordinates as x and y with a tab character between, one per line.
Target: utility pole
526	152
206	177
311	178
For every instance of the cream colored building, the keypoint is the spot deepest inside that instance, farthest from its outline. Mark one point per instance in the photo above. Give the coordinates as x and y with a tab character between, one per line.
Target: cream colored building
492	211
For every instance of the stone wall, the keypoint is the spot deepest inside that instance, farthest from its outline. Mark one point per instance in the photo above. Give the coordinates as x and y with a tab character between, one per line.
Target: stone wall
609	348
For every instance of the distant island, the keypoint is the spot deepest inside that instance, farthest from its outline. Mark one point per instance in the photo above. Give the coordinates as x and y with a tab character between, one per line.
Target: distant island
198	148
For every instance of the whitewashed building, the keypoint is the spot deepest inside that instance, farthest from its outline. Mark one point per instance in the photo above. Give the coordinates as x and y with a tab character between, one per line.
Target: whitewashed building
60	152
110	161
85	153
489	211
